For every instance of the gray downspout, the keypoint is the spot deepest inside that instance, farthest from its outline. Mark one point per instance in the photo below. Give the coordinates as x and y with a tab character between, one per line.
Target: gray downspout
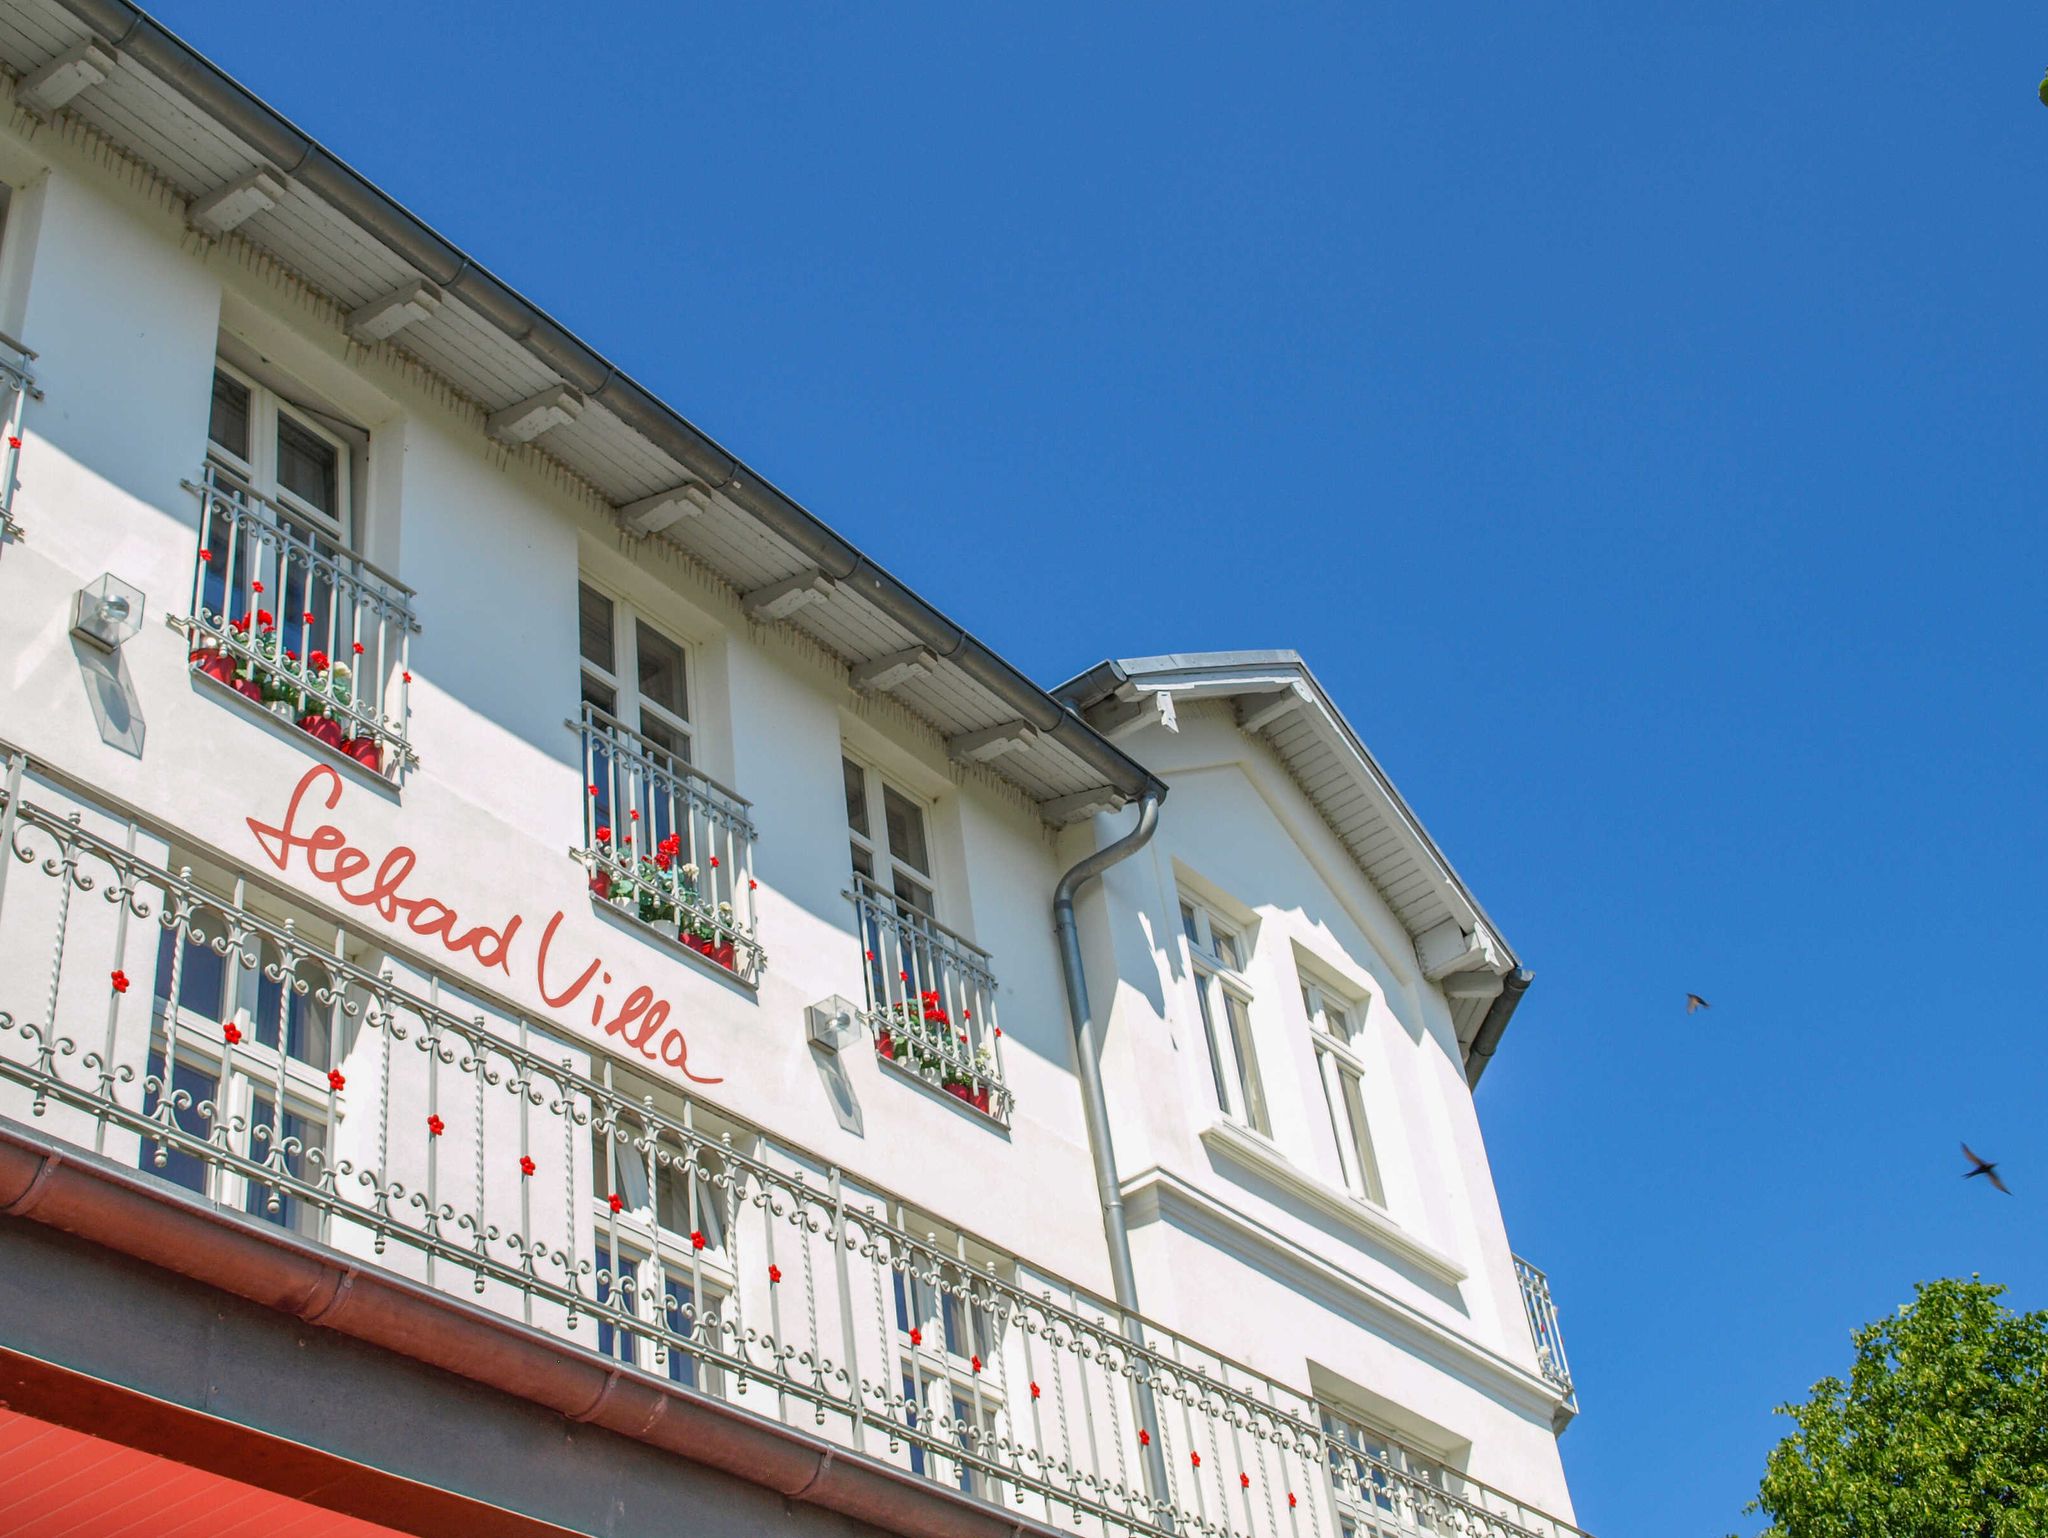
1100	1145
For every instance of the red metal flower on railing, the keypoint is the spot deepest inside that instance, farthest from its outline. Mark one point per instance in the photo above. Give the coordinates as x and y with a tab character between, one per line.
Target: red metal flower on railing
1244	1481
1195	1459
975	1363
436	1126
1144	1437
1034	1390
525	1164
120	981
230	1032
916	1336
696	1238
774	1273
334	1080
616	1202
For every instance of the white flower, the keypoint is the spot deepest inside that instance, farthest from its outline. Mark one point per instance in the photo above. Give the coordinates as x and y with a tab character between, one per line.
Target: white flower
689	869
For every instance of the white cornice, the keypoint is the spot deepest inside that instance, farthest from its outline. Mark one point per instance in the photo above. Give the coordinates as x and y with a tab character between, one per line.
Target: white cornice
1156	1194
1254	1153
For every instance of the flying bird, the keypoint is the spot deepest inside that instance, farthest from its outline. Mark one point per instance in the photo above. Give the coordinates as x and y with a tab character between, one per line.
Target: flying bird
1985	1168
1693	1001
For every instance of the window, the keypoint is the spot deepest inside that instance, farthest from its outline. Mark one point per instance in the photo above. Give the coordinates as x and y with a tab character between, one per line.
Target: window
1383	1489
664	1182
888	835
948	1340
284	608
266	1096
931	992
1334	1027
646	1292
634	674
646	802
1217	953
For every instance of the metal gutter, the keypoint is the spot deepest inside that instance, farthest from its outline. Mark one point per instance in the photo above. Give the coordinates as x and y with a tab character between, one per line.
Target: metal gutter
146	42
1494	1026
133	1214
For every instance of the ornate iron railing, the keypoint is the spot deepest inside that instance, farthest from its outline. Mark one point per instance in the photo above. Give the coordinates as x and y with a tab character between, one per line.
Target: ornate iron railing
235	1041
1543	1326
283	614
931	1000
666	842
17	388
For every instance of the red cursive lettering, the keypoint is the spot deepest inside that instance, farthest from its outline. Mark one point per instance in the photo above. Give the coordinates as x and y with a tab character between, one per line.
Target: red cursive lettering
333	861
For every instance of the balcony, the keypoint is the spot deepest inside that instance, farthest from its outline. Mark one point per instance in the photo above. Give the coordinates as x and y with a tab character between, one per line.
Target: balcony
930	1000
1542	1312
667	844
228	1039
298	625
17	387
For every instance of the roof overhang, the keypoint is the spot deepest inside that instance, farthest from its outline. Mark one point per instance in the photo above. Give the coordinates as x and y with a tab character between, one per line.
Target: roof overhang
1276	699
248	175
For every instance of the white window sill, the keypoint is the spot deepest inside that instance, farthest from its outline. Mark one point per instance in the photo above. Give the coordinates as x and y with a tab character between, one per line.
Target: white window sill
1249	1151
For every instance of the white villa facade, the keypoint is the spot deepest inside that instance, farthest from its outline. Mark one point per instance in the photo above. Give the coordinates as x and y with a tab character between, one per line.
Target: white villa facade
542	991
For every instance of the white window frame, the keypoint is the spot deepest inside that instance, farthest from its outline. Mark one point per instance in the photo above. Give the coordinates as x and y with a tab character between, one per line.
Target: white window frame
931	1364
874	843
1334	1025
243	1072
1388	1511
259	469
1218	949
630	708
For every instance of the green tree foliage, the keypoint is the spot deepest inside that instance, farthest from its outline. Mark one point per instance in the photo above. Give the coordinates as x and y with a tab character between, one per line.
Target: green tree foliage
1940	1432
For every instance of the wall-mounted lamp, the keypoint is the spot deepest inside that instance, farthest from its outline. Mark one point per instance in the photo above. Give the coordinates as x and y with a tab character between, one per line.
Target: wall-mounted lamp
107	613
832	1024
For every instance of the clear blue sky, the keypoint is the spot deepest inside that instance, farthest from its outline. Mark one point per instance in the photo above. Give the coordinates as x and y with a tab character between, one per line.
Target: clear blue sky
1638	421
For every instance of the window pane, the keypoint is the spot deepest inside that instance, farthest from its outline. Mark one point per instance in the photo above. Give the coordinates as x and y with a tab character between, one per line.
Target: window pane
308	466
1247	1065
229	425
863	862
602	695
280	1138
915	893
1336	1022
1226	946
906	830
202	975
1202	987
856	796
180	1167
594	623
661	671
1191	925
1361	1136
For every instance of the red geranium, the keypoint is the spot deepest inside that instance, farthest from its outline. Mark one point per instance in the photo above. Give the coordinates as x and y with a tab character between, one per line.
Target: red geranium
257	587
358	648
264	617
604	835
317	661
